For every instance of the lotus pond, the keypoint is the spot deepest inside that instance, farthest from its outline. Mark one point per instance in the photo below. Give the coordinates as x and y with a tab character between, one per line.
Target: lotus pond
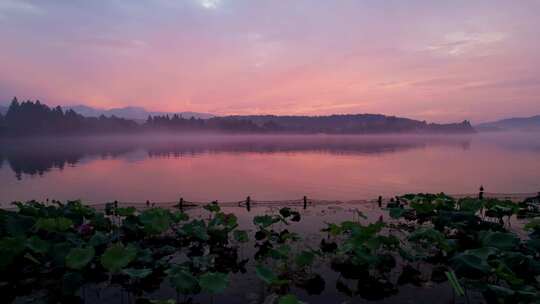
417	248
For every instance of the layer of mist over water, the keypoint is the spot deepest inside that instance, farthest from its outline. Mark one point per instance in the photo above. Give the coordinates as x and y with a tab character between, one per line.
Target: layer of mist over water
163	168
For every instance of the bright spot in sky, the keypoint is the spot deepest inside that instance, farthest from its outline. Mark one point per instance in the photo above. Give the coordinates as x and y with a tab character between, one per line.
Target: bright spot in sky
210	4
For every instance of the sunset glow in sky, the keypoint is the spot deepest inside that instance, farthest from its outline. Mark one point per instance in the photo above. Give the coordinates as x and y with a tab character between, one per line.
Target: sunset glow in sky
434	60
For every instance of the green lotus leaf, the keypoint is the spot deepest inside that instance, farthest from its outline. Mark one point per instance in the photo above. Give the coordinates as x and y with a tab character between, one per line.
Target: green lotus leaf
38	245
470	204
155	221
265	274
183	281
117	257
429	236
396	212
533	224
333	229
470	265
504	272
78	258
57	224
264	221
10	248
223	221
214	207
196	229
241	236
127	211
179	217
145	256
534	244
282	252
163	301
501	291
289	299
136	273
19	226
99	238
484	253
268	276
59	251
499	240
305	258
214	282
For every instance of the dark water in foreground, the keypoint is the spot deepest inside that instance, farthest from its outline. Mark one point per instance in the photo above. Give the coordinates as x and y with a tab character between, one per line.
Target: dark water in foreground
229	168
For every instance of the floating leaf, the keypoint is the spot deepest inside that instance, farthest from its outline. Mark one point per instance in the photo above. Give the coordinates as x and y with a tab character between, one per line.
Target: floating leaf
214	282
196	229
289	299
78	258
265	274
305	258
117	257
138	274
282	252
264	221
241	236
213	207
396	212
268	276
183	281
163	301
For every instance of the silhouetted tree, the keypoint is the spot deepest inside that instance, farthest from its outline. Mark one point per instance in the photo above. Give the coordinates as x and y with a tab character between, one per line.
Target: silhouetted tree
35	118
2	126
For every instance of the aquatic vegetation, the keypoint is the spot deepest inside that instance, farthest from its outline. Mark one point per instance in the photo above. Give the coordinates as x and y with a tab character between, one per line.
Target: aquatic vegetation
55	251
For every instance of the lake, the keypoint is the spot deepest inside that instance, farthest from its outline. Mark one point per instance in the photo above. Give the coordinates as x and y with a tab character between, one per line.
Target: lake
199	168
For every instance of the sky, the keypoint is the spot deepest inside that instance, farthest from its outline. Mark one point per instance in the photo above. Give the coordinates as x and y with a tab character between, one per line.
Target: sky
439	61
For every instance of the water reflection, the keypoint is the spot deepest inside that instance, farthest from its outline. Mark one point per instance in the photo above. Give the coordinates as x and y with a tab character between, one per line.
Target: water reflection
37	157
229	168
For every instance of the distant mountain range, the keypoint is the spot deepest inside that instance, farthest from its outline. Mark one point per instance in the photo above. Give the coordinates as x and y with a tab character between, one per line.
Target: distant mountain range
512	124
352	124
134	113
3	109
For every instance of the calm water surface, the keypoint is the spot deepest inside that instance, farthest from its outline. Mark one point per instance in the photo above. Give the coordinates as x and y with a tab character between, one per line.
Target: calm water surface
228	168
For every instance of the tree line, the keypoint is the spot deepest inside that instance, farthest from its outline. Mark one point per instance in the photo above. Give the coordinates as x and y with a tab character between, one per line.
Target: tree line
31	118
36	118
